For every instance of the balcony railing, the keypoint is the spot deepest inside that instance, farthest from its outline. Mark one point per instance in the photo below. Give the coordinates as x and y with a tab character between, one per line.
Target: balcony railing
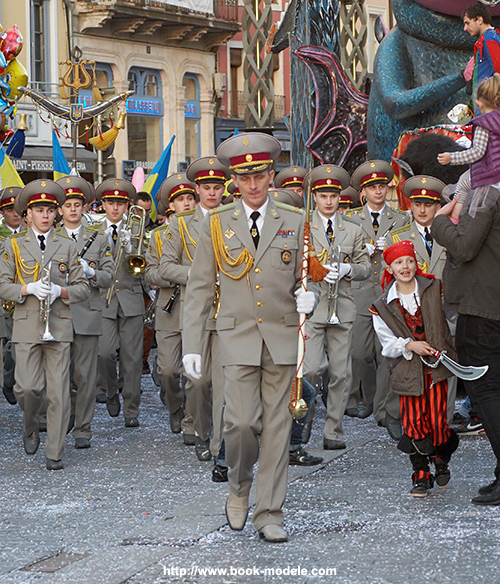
237	105
226	10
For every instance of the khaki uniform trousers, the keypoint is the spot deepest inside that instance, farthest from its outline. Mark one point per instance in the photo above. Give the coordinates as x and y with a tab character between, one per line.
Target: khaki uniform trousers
257	399
329	349
85	352
124	333
40	366
371	367
169	365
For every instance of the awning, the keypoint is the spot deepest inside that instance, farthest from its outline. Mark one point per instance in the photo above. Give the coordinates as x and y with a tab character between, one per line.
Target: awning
39	159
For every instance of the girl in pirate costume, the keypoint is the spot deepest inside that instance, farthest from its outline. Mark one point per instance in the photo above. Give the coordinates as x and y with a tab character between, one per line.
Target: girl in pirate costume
409	321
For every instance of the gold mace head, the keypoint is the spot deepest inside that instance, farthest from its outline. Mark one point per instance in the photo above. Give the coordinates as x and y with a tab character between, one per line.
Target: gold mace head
22	122
120	124
298	409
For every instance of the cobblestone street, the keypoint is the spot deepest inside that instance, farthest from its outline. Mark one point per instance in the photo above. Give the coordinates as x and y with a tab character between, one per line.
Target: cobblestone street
139	508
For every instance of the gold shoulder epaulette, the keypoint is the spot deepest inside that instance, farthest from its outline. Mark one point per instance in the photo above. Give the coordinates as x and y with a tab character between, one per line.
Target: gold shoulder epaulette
223	208
401	229
395	210
351	220
20	234
349	212
2	238
288	207
62	234
186	213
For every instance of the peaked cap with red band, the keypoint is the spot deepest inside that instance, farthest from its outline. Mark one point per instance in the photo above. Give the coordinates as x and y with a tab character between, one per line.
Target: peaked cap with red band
8	197
293	176
41	192
327	178
423	189
77	187
249	152
371	173
116	189
208	170
175	185
396	251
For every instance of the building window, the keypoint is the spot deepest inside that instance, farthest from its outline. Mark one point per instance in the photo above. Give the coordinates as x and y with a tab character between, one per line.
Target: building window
40	41
192	116
144	115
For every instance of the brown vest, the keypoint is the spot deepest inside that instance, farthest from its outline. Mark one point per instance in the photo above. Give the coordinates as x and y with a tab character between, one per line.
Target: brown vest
407	377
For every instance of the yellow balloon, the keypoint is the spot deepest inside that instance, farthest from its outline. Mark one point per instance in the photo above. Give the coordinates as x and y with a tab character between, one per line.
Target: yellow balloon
15	76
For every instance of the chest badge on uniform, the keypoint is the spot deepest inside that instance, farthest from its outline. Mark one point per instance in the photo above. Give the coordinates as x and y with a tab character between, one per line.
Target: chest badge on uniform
63	267
228	233
286	257
5	256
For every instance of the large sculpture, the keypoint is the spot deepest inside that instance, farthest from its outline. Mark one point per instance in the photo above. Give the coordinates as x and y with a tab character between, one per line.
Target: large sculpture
418	71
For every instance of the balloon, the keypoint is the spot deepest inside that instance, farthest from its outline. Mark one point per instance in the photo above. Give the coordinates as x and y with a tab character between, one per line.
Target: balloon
3	63
11	42
15	76
138	178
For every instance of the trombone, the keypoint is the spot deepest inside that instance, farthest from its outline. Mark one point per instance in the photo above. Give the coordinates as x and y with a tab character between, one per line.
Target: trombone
134	265
45	305
333	293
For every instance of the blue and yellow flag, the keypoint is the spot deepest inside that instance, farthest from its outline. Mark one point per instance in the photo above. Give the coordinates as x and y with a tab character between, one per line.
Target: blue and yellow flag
157	176
9	177
61	166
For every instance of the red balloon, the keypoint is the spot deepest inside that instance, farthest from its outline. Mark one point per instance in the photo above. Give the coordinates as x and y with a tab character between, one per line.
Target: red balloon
11	42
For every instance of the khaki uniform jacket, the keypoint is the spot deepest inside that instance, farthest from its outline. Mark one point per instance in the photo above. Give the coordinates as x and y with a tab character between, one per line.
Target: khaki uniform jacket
428	265
347	235
87	315
163	321
65	271
366	291
260	307
175	263
128	291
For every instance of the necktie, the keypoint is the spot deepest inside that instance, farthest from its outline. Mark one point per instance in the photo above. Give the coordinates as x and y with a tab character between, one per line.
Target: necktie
254	232
329	231
429	239
42	242
73	235
114	237
375	221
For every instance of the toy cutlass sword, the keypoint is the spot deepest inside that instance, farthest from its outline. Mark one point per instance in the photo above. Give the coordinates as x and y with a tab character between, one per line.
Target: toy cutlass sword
467	372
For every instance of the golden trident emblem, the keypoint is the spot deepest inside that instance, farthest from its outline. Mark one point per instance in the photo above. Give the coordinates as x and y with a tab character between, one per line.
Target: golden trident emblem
76	71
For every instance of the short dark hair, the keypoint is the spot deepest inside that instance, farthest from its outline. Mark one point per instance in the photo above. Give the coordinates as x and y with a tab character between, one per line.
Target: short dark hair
474	11
144	196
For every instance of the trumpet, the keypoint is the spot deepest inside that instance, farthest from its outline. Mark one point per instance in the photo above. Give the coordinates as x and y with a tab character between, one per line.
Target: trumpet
333	294
45	305
134	265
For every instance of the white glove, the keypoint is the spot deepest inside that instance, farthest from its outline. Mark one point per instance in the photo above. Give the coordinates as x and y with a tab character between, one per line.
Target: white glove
337	272
380	244
305	301
38	289
192	365
126	240
370	248
152	295
87	270
55	292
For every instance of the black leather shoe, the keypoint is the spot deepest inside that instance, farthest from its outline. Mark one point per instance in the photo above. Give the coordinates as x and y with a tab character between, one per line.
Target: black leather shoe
9	395
488	489
394	427
302	458
219	474
113	405
54	464
31	443
188	439
365	411
352	412
333	444
101	398
131	423
492	498
175	421
202	449
82	443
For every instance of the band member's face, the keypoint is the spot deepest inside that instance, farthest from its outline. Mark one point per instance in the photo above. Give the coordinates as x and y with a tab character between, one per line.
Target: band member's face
299	190
473	25
12	218
424	213
72	211
182	203
146	205
210	194
376	195
327	203
42	217
253	187
114	210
